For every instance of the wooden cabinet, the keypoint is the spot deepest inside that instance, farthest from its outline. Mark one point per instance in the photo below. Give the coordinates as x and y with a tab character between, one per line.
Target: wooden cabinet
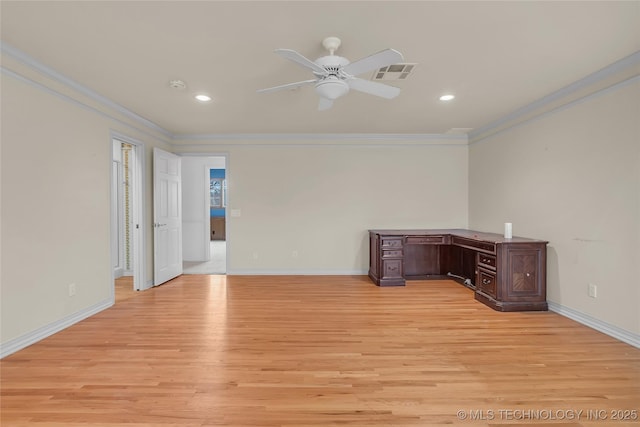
522	274
388	256
506	274
218	228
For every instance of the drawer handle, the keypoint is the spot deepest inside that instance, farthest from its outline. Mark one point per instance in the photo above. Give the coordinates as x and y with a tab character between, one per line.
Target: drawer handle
486	281
393	268
528	274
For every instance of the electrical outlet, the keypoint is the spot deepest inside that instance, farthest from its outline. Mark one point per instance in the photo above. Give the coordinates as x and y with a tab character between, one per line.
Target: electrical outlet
593	290
255	255
72	289
294	254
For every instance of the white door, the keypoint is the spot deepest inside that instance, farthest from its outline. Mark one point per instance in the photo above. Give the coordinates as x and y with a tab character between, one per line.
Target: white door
167	216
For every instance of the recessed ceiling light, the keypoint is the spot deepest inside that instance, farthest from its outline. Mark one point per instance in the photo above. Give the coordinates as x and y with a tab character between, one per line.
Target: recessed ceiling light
203	98
446	97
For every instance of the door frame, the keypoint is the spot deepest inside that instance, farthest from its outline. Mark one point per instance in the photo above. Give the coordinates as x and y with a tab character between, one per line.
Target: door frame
207	226
137	210
207	213
117	212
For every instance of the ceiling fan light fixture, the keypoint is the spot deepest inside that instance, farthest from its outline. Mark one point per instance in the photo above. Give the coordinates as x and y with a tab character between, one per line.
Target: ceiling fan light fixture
447	97
332	88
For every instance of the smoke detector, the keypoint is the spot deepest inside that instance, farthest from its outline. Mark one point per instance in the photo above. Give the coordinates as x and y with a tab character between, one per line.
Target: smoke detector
177	84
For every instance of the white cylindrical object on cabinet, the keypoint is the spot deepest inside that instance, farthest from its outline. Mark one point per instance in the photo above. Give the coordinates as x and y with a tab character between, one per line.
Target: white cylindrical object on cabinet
508	230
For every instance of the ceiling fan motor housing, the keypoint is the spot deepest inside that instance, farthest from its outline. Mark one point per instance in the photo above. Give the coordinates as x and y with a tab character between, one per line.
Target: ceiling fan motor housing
332	62
332	85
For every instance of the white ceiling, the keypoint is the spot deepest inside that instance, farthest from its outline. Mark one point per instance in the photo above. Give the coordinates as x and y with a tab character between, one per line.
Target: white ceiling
494	56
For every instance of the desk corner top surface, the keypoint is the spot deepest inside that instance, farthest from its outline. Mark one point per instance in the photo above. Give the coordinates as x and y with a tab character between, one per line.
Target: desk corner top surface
459	232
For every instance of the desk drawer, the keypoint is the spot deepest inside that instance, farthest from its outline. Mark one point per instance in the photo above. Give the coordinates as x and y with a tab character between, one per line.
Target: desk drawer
392	268
486	282
425	240
391	243
487	261
395	253
474	244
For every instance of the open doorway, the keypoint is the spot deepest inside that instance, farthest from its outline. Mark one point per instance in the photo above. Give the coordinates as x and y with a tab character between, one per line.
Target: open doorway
126	217
204	202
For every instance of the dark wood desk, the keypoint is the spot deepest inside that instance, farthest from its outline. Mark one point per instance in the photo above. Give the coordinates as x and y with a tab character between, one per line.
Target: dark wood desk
506	274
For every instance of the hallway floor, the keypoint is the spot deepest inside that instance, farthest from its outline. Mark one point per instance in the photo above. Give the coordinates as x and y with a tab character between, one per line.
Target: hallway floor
217	264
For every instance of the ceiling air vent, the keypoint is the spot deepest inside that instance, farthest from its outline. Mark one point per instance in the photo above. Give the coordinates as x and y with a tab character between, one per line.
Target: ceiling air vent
393	72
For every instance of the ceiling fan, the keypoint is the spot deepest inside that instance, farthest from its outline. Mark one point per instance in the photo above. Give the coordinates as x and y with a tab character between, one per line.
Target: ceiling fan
335	75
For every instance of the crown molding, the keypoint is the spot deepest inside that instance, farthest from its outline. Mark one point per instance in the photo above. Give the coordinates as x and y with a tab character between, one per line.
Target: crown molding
556	109
49	72
519	116
72	100
321	137
529	111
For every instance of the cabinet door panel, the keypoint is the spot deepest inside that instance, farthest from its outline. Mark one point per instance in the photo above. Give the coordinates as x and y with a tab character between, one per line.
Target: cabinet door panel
522	269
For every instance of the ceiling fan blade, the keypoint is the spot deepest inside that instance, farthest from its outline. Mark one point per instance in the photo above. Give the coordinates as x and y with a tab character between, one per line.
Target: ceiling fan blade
294	56
287	86
373	62
373	88
324	104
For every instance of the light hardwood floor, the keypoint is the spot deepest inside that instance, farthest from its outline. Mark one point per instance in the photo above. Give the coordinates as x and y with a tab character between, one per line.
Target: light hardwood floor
124	289
319	351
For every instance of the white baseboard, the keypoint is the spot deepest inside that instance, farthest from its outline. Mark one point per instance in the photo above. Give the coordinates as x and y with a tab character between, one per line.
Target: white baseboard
147	285
604	327
43	332
258	272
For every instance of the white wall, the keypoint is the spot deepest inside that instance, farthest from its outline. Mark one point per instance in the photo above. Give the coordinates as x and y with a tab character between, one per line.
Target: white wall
195	205
572	177
55	225
306	205
316	198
